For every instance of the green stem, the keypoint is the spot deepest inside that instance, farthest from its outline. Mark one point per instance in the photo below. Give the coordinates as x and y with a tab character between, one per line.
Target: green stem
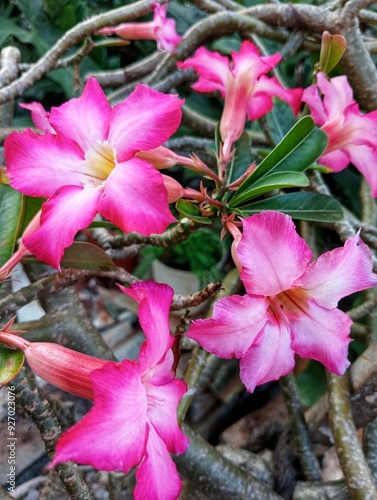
352	460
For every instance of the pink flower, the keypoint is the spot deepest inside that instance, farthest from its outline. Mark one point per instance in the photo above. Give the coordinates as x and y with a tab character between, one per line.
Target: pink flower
352	136
39	116
243	83
133	421
291	303
160	29
89	166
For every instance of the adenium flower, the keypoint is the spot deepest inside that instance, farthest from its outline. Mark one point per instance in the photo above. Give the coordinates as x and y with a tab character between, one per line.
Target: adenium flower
243	83
134	418
89	166
352	136
290	305
160	29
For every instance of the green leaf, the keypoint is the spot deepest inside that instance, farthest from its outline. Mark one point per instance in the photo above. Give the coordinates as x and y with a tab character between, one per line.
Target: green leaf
303	206
299	149
276	180
242	158
280	120
82	255
11	362
332	50
10	217
192	212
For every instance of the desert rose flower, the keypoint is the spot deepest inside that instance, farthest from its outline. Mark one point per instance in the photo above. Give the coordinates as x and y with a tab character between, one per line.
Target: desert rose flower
134	418
89	166
290	305
243	83
160	29
352	136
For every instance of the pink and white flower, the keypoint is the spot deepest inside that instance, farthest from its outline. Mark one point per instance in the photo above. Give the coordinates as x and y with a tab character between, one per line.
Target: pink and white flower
89	166
160	29
243	83
352	136
290	305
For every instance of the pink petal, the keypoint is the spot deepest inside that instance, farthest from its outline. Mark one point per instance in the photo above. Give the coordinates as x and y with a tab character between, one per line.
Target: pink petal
265	89
271	252
323	335
86	119
313	100
336	160
72	208
38	165
235	323
39	116
365	160
135	198
145	120
270	357
212	67
162	413
165	33
157	477
154	305
112	436
337	94
248	61
339	273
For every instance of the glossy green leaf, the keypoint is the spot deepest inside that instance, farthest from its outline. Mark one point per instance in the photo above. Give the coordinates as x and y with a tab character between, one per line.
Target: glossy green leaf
332	50
280	120
241	159
192	212
82	255
303	206
11	362
276	180
299	149
10	220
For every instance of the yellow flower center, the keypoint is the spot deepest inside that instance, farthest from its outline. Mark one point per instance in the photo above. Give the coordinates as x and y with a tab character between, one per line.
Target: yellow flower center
100	162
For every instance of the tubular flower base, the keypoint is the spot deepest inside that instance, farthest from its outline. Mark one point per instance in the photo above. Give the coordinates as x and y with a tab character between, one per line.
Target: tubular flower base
160	29
89	166
243	83
352	135
291	303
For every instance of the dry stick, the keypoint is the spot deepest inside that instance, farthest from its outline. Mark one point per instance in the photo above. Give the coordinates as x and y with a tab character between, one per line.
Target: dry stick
72	37
352	460
302	443
38	408
215	475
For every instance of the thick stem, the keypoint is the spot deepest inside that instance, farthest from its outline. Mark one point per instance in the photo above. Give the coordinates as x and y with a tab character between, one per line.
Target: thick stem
352	460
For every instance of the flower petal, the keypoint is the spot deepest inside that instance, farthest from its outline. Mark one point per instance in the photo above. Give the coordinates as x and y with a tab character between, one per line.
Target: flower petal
60	223
365	160
154	305
38	165
157	477
86	119
312	98
337	94
128	203
322	335
271	252
235	323
112	436
336	160
145	120
270	357
162	413
273	88
212	67
39	116
339	273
